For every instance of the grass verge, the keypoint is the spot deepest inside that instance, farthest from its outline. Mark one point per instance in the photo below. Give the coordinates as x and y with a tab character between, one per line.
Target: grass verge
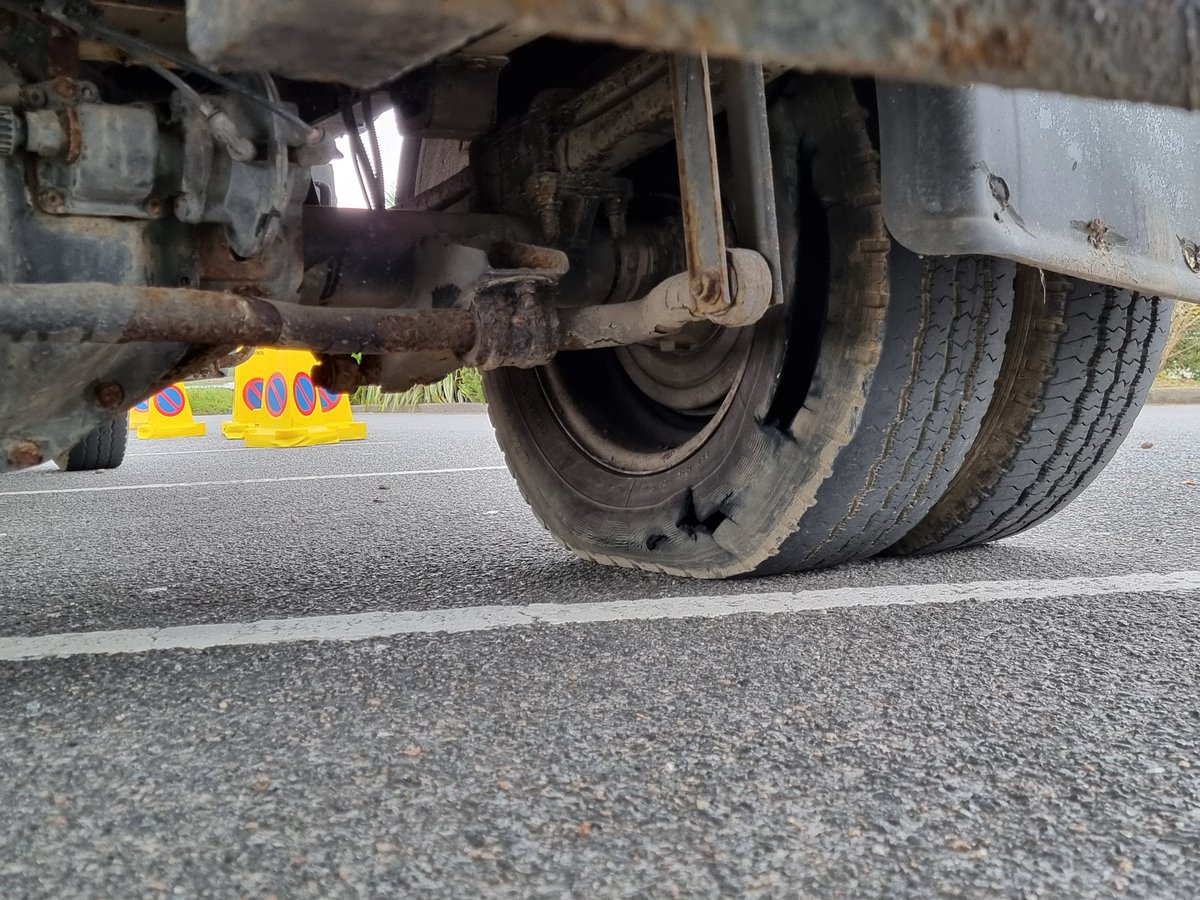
210	401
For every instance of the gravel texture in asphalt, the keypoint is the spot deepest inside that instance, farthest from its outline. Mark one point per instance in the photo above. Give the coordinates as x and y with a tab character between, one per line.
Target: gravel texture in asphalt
970	749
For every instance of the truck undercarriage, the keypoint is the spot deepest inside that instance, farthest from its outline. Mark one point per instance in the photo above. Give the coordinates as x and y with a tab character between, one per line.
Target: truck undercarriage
757	287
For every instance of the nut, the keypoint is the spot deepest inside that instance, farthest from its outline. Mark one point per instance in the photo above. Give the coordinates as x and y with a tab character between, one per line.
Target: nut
51	199
153	207
33	97
109	394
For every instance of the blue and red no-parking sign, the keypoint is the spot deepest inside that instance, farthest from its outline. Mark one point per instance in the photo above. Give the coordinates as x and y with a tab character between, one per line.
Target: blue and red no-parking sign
169	401
276	394
252	393
328	400
305	392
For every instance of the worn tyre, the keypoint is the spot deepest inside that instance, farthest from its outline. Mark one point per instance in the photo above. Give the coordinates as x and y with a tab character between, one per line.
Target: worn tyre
103	448
1079	361
850	409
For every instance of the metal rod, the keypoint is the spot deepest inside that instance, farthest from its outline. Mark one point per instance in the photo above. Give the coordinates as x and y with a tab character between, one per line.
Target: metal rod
502	330
751	176
668	307
699	183
119	314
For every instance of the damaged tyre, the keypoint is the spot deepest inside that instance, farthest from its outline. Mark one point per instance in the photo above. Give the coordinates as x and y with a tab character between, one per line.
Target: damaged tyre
820	435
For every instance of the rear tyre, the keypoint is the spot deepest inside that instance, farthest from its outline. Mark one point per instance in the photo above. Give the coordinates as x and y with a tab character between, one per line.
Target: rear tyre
1078	365
817	436
103	448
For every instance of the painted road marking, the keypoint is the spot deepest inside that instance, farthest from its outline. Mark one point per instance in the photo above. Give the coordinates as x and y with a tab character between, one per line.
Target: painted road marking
231	481
344	445
367	626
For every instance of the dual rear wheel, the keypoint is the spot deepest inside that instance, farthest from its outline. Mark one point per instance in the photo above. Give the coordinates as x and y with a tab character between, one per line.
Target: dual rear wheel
894	404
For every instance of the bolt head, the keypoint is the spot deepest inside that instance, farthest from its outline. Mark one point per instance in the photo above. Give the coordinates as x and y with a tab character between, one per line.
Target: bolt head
24	454
51	199
109	395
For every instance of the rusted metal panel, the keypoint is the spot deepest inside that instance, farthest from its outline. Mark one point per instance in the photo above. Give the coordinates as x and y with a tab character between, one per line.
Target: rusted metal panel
1122	49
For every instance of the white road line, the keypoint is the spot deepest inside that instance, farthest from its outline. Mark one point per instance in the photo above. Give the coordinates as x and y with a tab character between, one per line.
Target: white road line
366	626
281	478
361	445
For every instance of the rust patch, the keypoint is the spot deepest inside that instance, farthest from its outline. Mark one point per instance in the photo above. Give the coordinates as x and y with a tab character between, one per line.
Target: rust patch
444	329
109	395
24	454
1099	233
67	89
74	131
962	45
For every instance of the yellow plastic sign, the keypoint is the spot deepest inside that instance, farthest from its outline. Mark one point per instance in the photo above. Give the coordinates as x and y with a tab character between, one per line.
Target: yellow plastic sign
170	415
248	381
294	412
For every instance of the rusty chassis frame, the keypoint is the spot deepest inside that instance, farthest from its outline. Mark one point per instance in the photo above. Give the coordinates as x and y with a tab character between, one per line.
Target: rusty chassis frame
1143	50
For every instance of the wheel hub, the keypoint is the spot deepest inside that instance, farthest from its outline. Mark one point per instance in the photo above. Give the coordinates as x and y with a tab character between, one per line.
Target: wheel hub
691	372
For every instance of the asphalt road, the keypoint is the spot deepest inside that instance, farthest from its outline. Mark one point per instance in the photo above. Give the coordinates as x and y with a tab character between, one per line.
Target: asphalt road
884	746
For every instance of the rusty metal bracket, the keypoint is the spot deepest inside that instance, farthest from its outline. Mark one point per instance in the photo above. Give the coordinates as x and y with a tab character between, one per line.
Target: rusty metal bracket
667	308
699	183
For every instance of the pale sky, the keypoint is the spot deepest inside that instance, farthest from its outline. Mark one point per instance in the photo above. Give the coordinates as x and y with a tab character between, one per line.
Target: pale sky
345	182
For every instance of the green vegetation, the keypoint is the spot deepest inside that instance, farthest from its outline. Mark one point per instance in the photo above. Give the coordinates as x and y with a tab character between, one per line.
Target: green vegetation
463	386
1181	360
210	401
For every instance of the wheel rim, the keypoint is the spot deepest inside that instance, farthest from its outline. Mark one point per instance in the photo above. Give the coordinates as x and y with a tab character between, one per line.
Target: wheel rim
642	411
689	373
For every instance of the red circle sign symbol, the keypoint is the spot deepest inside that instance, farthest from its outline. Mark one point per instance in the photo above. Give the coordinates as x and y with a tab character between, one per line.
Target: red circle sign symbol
169	401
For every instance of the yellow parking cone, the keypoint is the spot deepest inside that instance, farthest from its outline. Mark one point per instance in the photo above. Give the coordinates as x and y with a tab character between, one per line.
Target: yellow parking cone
336	409
170	415
291	413
139	415
247	394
